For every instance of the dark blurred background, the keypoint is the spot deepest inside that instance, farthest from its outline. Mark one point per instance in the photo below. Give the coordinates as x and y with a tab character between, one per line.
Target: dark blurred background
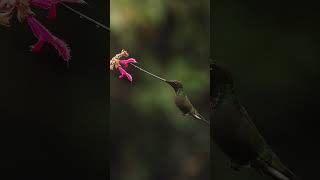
272	48
53	121
150	138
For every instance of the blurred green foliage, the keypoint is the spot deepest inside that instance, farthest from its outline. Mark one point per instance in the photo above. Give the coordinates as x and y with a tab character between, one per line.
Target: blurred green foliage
151	139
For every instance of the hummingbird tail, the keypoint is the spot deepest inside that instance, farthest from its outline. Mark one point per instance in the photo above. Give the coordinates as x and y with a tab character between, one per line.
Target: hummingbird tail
278	175
198	116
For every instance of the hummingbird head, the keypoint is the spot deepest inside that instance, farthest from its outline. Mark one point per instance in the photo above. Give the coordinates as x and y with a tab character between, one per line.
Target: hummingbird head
176	85
220	75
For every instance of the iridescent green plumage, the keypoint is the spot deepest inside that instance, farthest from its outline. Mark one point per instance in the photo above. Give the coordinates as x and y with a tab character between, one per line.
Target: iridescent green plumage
182	101
236	134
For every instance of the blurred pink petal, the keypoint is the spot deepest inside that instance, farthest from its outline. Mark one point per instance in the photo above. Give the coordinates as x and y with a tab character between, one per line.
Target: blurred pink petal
126	62
44	35
124	73
51	5
124	53
52	14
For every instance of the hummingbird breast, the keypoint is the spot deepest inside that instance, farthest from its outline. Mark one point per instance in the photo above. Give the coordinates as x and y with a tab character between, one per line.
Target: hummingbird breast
235	134
183	103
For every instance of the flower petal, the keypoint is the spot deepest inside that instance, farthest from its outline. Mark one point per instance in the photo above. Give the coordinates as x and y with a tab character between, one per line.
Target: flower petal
37	47
52	14
44	35
51	5
124	73
126	62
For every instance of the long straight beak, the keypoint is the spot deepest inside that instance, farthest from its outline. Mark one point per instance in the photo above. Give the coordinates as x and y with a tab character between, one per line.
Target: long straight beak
171	83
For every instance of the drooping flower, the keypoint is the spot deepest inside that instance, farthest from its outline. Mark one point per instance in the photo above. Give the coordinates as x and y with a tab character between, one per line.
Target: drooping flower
126	62
24	13
116	63
124	73
51	5
44	36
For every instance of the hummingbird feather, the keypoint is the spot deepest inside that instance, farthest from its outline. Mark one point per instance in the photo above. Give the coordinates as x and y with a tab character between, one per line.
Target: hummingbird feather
235	132
182	101
276	174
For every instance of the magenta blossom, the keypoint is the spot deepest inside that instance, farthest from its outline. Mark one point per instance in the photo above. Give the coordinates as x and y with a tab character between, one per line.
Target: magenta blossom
126	62
116	63
124	73
44	36
24	13
51	5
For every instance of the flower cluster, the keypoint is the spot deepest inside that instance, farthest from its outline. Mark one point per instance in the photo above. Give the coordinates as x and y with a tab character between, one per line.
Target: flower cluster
24	13
116	63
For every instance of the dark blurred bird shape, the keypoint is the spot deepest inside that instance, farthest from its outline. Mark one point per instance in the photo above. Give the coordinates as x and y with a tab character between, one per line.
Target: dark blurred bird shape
234	131
182	101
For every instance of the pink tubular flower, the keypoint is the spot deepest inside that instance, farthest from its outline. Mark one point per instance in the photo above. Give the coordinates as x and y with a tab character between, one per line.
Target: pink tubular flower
24	13
124	73
126	62
115	63
44	35
51	5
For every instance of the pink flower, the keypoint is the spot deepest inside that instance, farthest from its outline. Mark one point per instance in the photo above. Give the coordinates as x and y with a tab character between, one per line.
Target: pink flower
116	63
51	5
124	73
44	36
124	53
126	62
24	13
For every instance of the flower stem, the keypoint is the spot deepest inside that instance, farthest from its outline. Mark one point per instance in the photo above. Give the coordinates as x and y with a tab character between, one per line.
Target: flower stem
98	24
149	73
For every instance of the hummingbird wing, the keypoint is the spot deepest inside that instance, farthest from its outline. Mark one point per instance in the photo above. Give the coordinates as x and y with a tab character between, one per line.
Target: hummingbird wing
183	103
195	114
275	169
235	132
198	116
269	163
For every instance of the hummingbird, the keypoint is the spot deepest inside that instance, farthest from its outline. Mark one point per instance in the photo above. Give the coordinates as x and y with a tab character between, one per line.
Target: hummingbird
235	133
182	101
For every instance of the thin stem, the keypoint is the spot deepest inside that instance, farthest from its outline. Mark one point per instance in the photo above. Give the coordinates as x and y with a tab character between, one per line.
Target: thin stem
149	73
108	29
98	24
